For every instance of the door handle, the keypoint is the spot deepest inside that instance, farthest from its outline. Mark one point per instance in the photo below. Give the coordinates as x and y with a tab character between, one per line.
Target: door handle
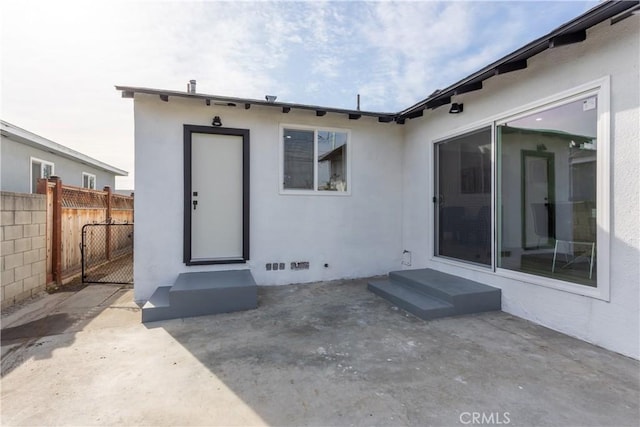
195	203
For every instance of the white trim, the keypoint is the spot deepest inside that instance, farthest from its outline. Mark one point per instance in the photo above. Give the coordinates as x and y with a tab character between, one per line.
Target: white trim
494	197
530	108
603	189
560	98
323	193
475	127
468	265
547	282
33	160
600	88
90	175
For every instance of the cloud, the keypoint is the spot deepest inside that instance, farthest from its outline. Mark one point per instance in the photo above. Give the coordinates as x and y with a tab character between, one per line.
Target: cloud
419	47
61	59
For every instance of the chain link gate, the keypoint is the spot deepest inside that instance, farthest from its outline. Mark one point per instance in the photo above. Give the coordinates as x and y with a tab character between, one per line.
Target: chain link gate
107	253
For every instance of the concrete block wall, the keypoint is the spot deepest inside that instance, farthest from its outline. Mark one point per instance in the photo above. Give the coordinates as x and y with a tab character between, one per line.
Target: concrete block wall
23	252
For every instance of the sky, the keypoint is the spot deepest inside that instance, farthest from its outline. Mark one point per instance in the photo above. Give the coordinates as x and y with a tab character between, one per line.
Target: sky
60	60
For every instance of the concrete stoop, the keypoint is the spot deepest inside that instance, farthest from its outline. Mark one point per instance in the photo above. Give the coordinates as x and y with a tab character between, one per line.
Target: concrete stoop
202	293
430	294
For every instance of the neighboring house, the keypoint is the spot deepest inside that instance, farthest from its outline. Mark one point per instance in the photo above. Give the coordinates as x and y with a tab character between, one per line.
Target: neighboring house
531	186
26	157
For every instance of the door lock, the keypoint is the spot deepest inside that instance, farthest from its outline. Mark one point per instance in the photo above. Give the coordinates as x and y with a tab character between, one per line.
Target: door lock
195	203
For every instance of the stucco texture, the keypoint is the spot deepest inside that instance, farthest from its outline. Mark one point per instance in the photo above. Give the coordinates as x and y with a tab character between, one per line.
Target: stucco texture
609	55
355	235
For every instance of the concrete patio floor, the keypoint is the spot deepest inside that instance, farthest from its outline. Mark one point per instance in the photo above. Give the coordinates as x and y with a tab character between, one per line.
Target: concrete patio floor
321	354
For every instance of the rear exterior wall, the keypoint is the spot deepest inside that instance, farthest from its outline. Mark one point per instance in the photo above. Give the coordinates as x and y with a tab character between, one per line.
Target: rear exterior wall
356	235
608	51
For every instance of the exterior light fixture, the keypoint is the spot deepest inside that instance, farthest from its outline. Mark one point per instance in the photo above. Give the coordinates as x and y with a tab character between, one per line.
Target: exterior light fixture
456	108
216	121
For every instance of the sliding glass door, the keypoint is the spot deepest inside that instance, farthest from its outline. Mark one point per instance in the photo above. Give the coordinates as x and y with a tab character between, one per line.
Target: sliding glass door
547	192
462	202
538	205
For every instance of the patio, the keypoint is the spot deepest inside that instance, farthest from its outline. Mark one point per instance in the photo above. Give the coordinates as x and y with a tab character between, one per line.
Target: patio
322	354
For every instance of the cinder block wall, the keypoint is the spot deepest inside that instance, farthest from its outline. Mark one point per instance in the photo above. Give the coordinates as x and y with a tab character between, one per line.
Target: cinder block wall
23	252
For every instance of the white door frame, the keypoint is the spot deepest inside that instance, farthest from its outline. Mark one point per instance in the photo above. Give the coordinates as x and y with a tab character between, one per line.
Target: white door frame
189	130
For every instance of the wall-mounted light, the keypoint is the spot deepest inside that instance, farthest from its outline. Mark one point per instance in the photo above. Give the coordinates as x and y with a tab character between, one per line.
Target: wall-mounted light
216	121
456	108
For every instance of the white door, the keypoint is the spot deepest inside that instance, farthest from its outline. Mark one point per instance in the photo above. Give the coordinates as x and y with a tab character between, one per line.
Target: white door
216	197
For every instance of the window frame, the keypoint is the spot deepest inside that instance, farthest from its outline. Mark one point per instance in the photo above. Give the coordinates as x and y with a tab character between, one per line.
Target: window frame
462	132
42	163
601	89
95	180
315	191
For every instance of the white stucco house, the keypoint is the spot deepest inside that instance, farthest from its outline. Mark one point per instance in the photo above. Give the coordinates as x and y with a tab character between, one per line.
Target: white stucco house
523	176
26	157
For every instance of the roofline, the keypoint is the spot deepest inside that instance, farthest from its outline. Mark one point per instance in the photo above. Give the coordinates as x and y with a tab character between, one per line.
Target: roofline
598	14
24	136
129	91
573	31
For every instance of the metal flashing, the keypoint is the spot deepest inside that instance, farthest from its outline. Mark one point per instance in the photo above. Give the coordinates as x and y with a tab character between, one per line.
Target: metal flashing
248	103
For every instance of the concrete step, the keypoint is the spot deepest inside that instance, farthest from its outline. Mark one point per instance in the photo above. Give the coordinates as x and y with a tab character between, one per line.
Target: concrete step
407	298
157	308
467	296
418	291
213	292
203	293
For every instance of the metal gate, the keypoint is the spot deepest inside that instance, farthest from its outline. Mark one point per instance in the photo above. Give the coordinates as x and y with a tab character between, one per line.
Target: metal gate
107	253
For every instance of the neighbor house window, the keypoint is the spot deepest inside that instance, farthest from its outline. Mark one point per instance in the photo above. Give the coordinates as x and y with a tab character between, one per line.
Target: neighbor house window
88	180
547	192
315	160
40	169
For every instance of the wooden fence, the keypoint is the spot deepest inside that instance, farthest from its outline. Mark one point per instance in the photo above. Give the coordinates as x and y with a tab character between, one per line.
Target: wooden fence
68	209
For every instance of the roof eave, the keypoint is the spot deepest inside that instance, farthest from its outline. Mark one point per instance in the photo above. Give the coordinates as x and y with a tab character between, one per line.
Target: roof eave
573	31
24	136
129	91
592	17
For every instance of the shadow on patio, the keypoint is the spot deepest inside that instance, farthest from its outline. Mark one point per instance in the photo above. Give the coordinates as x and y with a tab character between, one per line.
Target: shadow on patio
62	314
335	354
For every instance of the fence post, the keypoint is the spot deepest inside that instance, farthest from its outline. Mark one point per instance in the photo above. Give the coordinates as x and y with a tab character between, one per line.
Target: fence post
109	196
56	238
107	241
41	186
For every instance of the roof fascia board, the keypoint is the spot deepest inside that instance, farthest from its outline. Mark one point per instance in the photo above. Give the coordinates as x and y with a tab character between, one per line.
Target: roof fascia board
25	137
247	102
594	16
